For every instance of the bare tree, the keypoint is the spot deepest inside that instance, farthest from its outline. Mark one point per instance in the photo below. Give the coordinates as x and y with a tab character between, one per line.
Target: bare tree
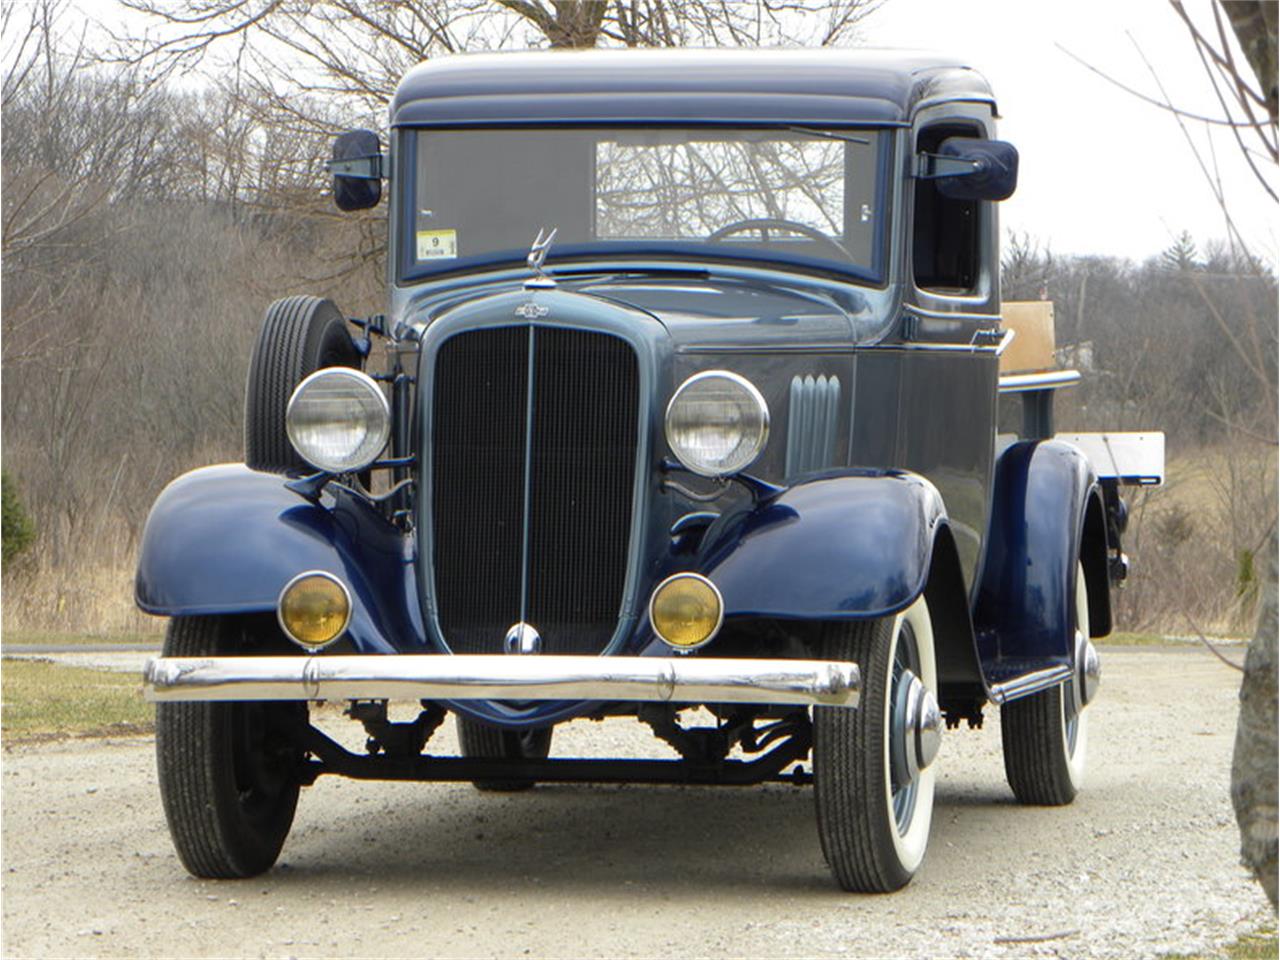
306	69
1246	93
135	264
1253	764
1248	107
362	49
70	146
1250	103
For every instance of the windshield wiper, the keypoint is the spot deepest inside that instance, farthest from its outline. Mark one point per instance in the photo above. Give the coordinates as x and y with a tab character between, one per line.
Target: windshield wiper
828	135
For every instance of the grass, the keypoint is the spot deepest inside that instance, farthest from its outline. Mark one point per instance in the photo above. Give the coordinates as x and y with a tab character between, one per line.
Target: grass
1125	639
1259	945
44	700
91	594
52	638
1262	944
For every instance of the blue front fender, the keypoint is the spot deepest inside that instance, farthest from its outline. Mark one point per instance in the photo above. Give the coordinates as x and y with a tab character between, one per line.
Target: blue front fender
226	539
847	544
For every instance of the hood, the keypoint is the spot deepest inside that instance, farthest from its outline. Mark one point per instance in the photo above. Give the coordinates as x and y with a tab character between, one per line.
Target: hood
735	313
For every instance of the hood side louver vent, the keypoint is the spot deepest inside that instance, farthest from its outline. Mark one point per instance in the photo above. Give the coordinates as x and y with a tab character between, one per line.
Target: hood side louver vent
811	424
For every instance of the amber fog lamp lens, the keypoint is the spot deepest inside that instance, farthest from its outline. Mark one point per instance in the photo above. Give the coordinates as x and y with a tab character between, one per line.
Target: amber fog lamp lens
314	609
686	610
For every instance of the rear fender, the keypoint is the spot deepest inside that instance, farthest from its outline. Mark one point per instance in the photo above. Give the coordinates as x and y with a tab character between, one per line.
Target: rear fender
1047	512
226	540
960	678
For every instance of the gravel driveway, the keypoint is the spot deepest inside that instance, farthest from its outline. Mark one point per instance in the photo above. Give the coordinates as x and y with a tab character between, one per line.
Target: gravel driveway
1144	862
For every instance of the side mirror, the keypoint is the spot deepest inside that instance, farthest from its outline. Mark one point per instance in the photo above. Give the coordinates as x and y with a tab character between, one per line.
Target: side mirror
357	170
969	169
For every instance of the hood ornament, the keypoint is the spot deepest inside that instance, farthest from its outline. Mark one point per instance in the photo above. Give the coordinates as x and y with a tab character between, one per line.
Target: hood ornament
537	257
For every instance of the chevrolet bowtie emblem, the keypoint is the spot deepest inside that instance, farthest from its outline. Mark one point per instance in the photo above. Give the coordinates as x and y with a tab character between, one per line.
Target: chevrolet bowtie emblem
531	310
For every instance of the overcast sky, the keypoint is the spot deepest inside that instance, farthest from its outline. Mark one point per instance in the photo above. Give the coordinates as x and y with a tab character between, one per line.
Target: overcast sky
1101	172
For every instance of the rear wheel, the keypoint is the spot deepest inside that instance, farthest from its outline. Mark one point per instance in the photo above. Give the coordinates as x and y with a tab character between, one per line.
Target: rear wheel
872	766
228	771
478	739
299	336
1046	735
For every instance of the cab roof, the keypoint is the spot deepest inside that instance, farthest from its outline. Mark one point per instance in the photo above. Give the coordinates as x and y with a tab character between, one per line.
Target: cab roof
826	86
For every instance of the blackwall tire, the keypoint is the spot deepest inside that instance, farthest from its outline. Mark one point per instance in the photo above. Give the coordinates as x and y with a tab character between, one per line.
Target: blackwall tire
299	336
228	776
476	739
874	834
1045	737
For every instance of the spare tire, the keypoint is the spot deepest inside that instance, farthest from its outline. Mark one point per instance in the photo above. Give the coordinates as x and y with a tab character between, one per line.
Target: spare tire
476	739
300	335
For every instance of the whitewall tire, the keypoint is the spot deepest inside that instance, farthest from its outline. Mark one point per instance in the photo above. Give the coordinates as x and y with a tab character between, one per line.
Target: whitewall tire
873	780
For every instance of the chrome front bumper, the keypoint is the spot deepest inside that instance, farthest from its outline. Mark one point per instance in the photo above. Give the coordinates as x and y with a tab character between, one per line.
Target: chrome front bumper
488	677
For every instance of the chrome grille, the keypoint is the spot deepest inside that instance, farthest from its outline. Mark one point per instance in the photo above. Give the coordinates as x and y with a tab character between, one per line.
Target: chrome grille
533	460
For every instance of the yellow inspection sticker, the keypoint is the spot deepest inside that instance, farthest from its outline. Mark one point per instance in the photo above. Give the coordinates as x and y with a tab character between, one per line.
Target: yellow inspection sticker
437	244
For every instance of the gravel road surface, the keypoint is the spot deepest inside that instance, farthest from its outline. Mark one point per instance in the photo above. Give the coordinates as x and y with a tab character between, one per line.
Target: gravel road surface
1144	862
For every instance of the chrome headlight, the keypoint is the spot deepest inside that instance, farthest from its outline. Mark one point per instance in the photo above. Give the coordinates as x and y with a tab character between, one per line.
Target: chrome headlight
717	423
338	420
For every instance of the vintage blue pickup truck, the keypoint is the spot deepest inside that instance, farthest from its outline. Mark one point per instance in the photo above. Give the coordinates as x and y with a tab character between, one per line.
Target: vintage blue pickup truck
691	404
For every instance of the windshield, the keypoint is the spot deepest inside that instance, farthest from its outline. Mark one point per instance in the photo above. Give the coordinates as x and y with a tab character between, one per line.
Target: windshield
807	198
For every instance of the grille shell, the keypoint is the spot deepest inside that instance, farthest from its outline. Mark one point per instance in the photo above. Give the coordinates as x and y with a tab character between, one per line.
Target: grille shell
556	556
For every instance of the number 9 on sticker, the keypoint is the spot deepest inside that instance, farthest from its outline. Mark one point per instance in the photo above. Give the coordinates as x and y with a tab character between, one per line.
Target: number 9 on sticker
437	244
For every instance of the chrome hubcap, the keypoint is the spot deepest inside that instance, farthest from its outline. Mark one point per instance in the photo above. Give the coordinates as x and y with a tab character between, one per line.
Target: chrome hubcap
921	724
1090	667
1082	688
928	728
1088	672
915	728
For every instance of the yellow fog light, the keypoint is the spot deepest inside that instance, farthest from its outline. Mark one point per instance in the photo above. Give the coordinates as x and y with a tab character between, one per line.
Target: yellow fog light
314	609
686	610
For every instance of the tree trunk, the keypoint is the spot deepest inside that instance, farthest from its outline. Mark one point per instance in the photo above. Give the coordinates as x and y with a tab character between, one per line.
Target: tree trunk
577	23
1253	766
1254	23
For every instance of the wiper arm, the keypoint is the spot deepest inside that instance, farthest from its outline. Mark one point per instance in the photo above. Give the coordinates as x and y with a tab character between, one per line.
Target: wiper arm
590	269
828	135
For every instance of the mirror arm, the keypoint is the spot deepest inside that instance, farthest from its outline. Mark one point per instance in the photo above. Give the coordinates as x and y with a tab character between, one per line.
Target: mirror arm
932	166
358	168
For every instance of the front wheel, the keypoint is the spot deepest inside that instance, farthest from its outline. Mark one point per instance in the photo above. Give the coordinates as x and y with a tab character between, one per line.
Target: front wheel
228	771
1046	735
872	766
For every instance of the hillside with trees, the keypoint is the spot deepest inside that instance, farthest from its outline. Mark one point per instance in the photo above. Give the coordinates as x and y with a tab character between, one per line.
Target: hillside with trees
148	221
